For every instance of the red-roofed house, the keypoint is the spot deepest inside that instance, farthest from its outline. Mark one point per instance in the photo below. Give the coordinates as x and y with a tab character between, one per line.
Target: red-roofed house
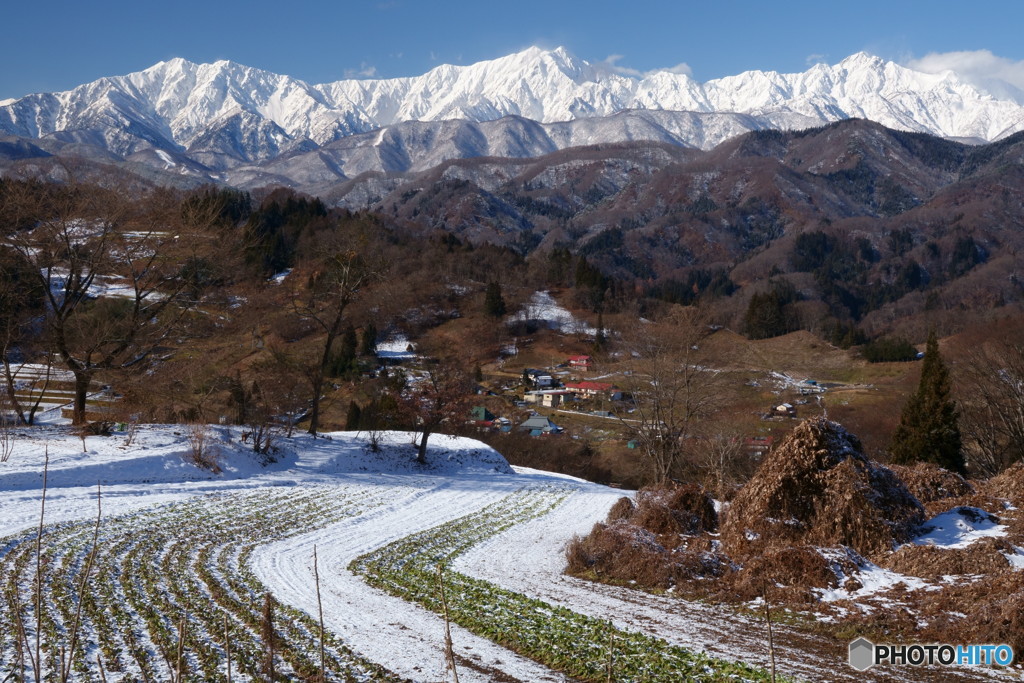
593	389
583	362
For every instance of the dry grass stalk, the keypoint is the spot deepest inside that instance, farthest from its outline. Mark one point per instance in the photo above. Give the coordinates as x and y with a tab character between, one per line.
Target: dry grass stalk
449	651
66	672
37	661
320	611
227	646
268	635
771	636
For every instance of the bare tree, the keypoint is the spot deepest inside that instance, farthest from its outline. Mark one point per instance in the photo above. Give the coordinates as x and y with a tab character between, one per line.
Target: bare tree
339	276
671	385
990	384
108	269
201	451
720	459
441	397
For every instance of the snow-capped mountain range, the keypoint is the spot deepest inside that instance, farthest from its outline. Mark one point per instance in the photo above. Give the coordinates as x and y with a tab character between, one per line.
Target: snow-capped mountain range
223	117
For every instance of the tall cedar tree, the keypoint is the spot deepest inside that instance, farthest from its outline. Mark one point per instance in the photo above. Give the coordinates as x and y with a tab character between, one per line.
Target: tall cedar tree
928	429
494	303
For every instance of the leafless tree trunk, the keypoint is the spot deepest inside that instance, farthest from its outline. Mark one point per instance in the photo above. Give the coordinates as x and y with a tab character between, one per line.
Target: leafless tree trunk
341	275
83	234
672	386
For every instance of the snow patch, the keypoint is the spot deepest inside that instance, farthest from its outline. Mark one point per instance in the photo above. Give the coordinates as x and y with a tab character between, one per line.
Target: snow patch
959	528
543	307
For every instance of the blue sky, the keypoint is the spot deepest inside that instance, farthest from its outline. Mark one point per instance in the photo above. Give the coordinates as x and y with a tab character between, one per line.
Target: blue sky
55	46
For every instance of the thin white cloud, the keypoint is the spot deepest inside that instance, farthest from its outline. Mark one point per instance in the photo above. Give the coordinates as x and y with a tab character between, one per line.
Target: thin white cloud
612	62
680	68
999	76
815	58
364	71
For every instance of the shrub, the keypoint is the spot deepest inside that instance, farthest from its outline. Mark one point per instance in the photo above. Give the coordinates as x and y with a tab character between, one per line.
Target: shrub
201	452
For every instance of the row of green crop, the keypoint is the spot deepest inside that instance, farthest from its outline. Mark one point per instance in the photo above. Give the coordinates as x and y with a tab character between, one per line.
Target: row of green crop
169	593
578	645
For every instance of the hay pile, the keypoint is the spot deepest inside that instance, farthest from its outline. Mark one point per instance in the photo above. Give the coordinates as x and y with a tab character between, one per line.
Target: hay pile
792	574
817	488
658	541
680	509
929	482
984	556
1008	484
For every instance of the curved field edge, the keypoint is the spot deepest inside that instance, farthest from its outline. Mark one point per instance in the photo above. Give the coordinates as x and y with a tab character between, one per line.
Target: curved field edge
168	577
564	640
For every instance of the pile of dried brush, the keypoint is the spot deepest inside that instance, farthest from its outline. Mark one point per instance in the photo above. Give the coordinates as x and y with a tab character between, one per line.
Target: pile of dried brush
818	488
985	556
790	574
1009	484
929	482
659	540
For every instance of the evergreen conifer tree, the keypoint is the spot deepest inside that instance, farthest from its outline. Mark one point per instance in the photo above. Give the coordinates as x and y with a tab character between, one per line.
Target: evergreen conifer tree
494	303
354	417
368	345
928	429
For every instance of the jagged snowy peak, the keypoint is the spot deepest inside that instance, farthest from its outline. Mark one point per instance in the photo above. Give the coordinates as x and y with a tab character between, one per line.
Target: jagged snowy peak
225	114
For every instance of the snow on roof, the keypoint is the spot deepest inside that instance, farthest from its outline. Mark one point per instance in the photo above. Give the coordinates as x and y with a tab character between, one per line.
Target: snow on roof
589	386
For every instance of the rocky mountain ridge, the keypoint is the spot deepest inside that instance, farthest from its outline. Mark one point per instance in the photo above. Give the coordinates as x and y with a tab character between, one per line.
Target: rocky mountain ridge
209	121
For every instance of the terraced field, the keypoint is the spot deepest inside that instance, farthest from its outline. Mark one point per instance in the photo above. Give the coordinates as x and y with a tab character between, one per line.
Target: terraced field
171	594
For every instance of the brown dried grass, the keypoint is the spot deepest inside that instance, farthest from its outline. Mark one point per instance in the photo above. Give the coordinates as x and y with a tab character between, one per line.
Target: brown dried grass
931	562
788	574
1008	484
622	552
994	608
818	488
622	509
675	509
929	482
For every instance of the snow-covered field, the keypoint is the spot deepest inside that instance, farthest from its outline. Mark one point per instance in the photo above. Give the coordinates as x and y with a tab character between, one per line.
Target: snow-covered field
180	545
543	307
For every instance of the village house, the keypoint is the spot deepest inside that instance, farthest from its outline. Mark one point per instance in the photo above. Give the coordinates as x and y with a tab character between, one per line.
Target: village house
549	398
581	362
784	410
539	378
757	447
538	425
594	390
